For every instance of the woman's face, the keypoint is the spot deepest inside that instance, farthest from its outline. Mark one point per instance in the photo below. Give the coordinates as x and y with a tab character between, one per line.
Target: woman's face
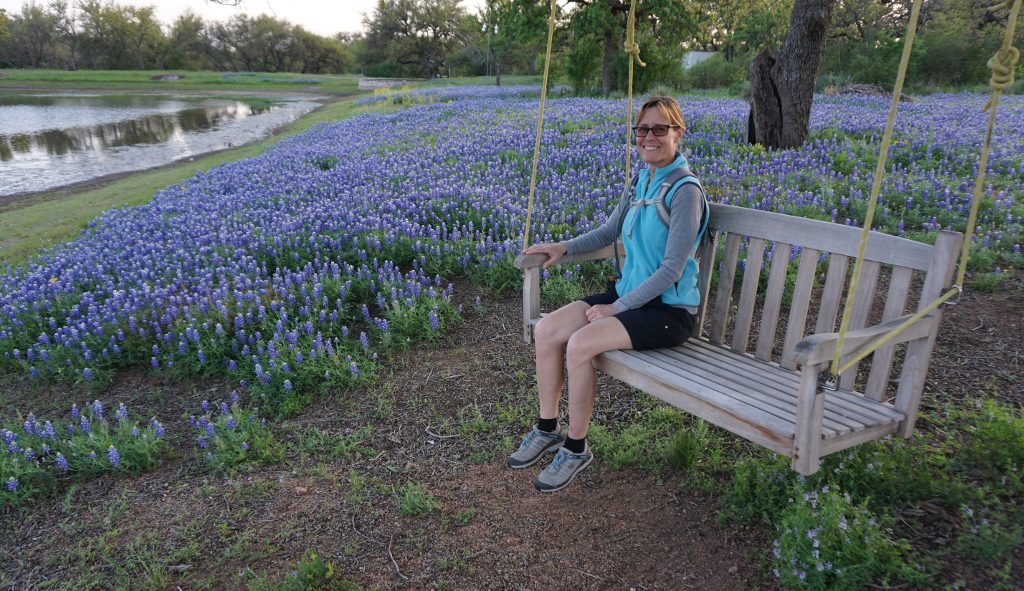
658	151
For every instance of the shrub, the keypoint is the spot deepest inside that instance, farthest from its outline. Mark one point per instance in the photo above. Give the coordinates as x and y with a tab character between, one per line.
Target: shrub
715	72
828	542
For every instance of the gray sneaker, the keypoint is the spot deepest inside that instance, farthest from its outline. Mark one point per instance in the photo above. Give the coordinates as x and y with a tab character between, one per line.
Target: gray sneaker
535	446
563	469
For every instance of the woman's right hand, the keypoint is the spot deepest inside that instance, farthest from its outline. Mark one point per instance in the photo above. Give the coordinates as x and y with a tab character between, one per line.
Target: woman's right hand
554	250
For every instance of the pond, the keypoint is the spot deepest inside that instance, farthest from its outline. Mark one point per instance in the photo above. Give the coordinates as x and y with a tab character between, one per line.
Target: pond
55	139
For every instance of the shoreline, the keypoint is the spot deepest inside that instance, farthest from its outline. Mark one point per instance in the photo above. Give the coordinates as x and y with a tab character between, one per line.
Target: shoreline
29	198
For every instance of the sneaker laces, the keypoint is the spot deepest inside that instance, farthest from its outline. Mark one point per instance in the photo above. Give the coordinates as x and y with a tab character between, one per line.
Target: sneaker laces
529	439
560	458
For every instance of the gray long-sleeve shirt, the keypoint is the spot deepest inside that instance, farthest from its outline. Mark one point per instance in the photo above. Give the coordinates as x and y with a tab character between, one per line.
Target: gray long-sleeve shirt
685	210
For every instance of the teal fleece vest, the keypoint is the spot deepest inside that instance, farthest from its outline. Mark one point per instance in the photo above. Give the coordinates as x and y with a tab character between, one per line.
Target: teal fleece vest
644	235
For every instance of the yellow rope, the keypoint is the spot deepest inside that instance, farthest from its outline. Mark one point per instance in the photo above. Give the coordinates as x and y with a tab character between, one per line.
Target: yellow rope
633	49
1002	66
540	125
877	184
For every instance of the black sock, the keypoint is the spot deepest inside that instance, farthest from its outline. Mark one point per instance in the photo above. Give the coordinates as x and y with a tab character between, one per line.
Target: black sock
576	446
547	425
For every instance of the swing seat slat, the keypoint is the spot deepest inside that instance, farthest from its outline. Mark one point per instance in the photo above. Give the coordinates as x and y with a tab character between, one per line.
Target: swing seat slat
774	397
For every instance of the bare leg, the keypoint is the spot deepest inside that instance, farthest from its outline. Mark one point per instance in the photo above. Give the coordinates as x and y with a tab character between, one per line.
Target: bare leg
551	337
605	334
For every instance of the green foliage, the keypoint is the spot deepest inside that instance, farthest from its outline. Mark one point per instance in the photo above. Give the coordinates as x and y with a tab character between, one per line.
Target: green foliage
225	442
826	541
465	516
646	442
988	282
414	500
759	490
38	454
312	573
314	442
994	443
991	532
496	275
716	72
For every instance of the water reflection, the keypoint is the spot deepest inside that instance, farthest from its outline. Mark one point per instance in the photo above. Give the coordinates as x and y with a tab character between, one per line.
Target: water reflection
156	128
54	139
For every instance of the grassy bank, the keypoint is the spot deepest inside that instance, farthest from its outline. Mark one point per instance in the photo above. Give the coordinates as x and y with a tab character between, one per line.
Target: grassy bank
142	80
50	218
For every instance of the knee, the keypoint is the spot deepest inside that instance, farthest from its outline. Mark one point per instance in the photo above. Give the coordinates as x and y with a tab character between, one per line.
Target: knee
547	333
577	352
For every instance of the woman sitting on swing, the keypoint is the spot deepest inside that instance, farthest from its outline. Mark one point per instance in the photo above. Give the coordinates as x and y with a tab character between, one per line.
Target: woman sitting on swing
653	303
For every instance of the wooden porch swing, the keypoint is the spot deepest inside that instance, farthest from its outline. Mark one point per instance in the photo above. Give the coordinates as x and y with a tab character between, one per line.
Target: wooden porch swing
764	381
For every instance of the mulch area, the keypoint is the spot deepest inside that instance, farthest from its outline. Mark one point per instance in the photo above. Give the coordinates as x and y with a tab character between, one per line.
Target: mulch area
628	529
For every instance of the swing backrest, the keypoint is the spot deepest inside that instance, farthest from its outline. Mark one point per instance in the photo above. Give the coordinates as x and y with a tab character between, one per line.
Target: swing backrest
792	280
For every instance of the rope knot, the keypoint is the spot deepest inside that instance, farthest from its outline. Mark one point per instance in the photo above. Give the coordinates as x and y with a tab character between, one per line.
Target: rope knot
1002	65
633	49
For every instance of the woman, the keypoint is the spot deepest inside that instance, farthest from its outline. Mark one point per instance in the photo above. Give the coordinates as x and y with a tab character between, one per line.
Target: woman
653	304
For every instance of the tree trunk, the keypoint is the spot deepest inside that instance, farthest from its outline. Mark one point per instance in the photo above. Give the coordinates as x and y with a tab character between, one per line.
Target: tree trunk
608	64
497	72
782	92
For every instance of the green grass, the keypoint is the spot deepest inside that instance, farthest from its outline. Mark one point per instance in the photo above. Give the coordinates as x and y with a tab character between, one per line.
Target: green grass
141	80
51	218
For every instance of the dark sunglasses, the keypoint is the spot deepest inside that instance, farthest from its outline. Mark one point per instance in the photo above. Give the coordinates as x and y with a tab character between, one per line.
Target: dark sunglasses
657	130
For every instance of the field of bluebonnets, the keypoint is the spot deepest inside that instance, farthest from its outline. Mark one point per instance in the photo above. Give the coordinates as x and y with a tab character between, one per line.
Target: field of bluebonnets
303	270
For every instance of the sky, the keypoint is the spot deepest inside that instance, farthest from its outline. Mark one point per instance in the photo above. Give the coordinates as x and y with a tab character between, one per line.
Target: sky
323	17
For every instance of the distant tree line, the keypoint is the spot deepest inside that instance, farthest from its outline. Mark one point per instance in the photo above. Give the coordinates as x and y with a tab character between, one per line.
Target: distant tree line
429	38
90	34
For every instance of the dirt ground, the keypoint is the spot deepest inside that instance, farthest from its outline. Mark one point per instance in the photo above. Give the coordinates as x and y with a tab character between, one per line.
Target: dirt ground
630	529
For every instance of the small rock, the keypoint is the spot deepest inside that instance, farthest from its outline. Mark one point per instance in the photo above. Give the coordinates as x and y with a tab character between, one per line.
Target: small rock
301	490
734	569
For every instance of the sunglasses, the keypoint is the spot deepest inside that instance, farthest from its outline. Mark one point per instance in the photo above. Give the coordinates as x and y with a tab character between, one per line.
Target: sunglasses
657	130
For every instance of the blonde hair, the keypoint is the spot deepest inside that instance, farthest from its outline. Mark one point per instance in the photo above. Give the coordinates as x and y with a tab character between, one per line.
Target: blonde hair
667	106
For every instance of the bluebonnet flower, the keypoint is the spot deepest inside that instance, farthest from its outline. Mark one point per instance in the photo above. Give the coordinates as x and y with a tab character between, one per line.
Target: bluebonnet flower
231	423
113	456
287	385
61	462
84	424
234	397
12	484
244	446
122	412
97	409
205	406
87	374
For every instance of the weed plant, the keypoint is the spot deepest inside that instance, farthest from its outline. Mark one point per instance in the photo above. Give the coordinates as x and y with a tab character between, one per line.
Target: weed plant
312	573
38	454
414	499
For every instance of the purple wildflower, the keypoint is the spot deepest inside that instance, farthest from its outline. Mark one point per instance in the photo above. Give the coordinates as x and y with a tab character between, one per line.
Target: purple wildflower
113	457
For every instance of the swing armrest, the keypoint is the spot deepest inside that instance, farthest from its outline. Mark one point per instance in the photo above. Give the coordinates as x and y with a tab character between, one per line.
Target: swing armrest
525	262
819	348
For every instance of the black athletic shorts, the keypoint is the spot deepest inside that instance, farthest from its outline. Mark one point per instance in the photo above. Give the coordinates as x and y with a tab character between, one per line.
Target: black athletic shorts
651	326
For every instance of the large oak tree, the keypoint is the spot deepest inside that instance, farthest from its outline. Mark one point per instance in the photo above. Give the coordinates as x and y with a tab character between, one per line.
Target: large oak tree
782	87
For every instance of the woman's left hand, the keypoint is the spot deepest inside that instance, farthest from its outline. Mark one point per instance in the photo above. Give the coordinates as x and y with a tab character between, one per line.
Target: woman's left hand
601	311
